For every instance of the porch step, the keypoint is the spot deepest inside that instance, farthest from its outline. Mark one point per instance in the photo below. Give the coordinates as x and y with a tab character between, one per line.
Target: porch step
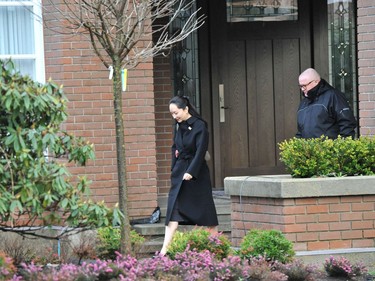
154	233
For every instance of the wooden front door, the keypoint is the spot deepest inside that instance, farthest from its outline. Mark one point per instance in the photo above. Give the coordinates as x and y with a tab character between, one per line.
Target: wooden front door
255	94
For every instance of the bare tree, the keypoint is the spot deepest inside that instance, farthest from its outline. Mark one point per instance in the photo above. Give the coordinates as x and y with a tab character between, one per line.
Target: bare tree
121	33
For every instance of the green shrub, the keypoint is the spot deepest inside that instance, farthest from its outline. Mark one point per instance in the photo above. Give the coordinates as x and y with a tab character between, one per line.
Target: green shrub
109	241
318	157
35	183
199	240
270	244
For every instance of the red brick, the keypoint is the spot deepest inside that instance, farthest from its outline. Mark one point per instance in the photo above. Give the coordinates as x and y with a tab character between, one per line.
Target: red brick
331	235
352	234
362	224
294	210
363	206
317	209
370	233
305	201
339	226
351	216
340	244
343	207
328	217
295	228
351	199
306	218
308	236
369	215
318	245
363	243
317	227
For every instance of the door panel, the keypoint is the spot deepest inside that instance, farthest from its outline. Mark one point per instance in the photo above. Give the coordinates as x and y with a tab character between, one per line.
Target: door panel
261	107
286	98
261	95
236	125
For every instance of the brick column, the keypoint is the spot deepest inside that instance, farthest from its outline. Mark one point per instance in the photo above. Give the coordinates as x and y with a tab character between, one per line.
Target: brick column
366	63
315	214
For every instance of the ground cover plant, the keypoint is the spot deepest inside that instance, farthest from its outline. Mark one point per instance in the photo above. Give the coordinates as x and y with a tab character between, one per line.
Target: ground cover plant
342	267
190	264
186	266
7	268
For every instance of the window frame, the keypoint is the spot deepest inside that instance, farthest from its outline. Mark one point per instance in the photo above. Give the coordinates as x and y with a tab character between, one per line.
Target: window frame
35	7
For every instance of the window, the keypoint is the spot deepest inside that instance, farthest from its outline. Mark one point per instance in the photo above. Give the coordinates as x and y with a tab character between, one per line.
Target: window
21	36
185	62
342	48
261	10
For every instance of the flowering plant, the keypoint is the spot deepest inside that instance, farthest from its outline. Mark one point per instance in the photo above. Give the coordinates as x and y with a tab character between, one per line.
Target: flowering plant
343	267
296	270
6	267
187	266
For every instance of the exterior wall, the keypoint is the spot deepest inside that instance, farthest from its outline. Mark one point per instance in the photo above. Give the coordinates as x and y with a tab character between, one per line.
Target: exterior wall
366	66
164	123
147	121
71	61
323	223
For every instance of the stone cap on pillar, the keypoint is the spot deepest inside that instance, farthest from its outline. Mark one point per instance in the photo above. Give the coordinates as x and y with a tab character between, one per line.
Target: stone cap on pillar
284	186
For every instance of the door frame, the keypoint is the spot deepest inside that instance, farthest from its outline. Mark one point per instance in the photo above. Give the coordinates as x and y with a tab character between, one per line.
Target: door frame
210	58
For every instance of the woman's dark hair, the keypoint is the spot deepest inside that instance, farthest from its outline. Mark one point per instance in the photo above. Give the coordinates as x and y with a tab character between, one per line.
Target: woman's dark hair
182	102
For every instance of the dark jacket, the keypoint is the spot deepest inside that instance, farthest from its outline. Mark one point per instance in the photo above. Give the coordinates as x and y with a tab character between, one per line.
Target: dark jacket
325	112
195	201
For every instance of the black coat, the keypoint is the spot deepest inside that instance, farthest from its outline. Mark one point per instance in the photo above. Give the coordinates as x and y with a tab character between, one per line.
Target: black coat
325	112
194	197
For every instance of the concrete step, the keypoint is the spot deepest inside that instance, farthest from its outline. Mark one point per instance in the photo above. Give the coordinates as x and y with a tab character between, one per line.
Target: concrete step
158	229
154	233
222	204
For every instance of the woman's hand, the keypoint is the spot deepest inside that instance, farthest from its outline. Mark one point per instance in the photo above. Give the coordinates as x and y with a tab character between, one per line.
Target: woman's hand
187	177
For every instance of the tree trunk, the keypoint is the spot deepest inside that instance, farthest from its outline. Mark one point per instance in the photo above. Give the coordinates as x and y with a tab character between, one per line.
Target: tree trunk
121	156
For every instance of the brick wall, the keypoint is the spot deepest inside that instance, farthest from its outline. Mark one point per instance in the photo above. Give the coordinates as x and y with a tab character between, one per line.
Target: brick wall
164	122
366	66
319	223
71	61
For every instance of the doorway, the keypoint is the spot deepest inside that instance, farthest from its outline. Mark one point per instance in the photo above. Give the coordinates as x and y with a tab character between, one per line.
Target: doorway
254	88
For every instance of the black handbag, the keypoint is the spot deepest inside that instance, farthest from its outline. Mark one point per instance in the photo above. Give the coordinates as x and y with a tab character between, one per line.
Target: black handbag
154	218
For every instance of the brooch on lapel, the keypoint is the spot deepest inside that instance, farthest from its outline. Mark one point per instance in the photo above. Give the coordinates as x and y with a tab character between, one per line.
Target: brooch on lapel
189	128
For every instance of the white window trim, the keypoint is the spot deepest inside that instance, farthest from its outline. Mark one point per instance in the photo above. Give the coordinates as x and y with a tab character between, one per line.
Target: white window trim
36	5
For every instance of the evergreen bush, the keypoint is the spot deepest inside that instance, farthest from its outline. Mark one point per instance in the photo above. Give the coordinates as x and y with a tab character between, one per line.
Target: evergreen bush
109	241
319	157
36	188
270	244
200	240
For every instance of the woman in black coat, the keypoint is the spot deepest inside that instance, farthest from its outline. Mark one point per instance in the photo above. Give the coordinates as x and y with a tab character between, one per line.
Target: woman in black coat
190	200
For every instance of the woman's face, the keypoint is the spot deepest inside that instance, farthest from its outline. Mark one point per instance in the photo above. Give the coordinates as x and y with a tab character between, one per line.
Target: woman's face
179	114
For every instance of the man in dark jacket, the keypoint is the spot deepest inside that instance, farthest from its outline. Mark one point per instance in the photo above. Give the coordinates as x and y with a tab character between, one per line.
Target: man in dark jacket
323	110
